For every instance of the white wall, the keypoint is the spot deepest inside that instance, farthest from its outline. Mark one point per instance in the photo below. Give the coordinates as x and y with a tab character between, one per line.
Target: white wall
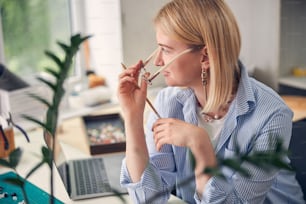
259	23
103	21
138	31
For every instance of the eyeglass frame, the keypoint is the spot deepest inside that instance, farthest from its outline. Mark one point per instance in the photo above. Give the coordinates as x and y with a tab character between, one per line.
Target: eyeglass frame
150	79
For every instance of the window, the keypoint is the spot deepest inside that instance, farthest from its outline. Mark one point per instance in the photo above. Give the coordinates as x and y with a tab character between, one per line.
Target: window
28	29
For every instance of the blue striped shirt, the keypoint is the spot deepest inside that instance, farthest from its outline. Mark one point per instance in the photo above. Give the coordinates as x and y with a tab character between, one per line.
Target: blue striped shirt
256	113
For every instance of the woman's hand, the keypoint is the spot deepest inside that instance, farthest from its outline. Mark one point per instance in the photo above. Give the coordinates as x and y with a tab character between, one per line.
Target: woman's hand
132	97
175	132
179	133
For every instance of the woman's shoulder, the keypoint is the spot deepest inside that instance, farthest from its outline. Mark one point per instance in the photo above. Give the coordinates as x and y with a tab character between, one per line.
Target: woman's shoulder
260	99
264	91
269	100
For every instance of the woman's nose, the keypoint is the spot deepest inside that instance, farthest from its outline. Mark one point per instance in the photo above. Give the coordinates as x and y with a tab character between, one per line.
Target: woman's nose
158	61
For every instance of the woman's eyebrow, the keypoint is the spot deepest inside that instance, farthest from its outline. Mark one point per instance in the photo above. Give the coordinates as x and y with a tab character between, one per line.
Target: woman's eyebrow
163	45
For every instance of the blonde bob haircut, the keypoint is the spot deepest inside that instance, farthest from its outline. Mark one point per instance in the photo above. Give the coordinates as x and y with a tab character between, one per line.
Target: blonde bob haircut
207	23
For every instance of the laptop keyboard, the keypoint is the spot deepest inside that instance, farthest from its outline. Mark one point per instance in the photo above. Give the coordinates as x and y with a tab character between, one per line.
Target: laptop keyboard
90	176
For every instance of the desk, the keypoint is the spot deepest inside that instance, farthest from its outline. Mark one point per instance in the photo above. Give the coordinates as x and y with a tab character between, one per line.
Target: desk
68	131
297	104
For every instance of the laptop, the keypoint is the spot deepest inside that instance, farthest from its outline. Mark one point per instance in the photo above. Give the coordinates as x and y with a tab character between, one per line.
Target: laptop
89	177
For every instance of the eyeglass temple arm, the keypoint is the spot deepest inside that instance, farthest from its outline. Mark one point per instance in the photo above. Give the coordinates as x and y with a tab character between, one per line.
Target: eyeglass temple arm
172	60
150	57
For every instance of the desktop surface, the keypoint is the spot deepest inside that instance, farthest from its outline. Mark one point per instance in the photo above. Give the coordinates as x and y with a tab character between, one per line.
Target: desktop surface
71	134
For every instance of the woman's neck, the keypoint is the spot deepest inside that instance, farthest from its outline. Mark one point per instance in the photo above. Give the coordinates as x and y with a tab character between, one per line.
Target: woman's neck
200	94
201	99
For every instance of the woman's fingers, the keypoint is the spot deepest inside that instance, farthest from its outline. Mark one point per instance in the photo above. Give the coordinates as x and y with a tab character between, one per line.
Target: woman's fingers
128	79
143	84
173	131
160	133
132	72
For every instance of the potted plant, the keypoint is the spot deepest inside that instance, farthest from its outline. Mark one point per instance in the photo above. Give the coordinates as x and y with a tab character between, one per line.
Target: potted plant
49	126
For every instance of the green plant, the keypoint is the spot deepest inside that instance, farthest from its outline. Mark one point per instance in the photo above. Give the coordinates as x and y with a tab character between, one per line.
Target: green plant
50	124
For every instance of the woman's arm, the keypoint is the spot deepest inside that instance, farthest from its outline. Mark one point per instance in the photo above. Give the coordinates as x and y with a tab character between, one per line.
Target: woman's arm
136	149
132	101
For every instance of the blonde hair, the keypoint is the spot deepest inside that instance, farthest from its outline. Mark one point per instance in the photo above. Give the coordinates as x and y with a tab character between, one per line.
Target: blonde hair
207	23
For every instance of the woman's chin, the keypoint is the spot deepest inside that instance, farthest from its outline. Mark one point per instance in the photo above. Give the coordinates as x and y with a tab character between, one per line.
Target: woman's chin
170	83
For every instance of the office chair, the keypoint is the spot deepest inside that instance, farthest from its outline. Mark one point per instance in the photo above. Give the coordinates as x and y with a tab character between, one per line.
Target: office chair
297	150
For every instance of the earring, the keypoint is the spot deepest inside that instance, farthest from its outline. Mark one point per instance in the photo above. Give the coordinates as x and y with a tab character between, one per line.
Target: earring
204	76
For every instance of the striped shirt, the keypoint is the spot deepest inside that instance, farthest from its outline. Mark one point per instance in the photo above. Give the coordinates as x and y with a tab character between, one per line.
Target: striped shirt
255	114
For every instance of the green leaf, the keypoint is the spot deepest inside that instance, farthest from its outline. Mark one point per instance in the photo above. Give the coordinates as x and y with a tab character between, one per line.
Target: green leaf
54	58
44	126
76	40
214	171
37	166
15	157
235	165
39	98
47	158
192	159
47	155
85	38
48	83
5	163
52	72
64	47
281	164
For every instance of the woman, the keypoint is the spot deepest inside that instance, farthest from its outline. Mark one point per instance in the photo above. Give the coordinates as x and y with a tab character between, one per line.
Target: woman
209	106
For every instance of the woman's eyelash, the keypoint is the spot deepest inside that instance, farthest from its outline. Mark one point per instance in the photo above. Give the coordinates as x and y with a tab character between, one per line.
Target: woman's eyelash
164	50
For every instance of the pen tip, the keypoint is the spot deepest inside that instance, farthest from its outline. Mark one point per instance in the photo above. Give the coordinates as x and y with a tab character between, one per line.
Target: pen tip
123	66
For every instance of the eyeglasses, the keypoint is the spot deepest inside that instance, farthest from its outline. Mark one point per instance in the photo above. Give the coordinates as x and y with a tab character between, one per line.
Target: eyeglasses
143	70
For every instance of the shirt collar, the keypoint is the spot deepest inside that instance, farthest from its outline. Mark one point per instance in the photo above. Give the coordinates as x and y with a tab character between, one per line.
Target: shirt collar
245	99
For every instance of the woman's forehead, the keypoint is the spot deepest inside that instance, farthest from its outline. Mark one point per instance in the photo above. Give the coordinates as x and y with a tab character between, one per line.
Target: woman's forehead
168	41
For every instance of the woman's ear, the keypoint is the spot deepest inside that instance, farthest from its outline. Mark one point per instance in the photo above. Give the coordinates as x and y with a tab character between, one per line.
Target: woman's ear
204	58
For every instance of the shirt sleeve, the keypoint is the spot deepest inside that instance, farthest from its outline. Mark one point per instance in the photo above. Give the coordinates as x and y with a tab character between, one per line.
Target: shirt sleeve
156	182
236	188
